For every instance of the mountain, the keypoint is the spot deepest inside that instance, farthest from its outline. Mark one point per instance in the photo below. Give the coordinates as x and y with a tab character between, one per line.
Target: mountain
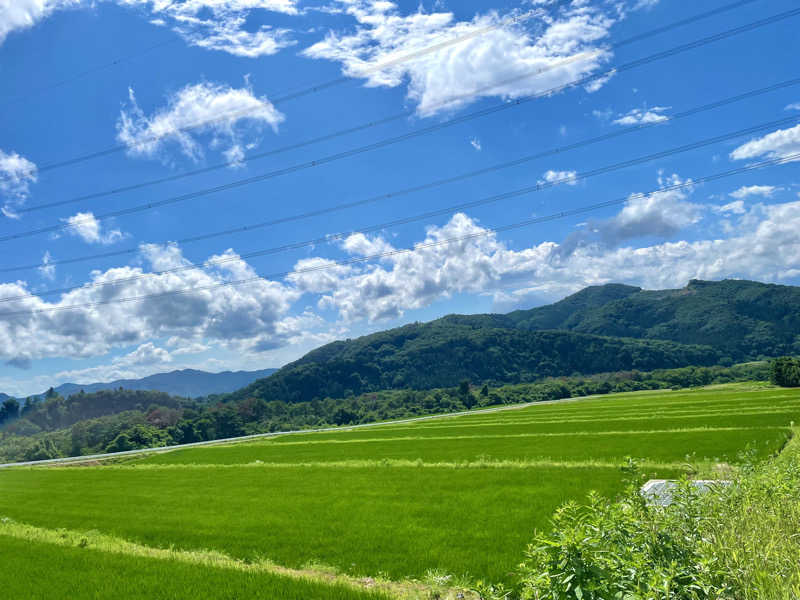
186	383
442	354
601	328
744	320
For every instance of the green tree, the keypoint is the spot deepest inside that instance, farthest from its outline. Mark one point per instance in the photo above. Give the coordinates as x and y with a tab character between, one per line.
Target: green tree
9	410
785	372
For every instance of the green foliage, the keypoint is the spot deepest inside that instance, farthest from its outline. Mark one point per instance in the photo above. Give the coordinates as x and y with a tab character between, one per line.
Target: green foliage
195	422
444	354
42	570
9	410
785	372
738	542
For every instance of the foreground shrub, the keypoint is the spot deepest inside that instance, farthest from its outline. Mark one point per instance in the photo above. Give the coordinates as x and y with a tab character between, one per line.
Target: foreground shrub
740	542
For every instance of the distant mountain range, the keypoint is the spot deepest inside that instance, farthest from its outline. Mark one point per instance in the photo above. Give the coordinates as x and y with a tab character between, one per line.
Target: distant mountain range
601	328
186	382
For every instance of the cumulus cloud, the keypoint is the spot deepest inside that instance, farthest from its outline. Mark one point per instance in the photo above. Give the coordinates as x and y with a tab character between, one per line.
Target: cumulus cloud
16	175
510	61
86	226
764	245
476	143
765	191
640	116
793	106
559	177
233	315
783	143
661	214
204	109
146	354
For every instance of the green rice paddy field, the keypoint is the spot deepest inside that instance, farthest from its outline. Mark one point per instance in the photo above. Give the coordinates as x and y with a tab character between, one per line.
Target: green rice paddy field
453	495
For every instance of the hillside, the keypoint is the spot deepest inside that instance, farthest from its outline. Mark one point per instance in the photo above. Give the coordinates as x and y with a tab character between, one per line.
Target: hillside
602	328
442	354
188	383
742	319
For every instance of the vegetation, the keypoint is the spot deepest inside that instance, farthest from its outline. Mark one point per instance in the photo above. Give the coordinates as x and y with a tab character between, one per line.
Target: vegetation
733	542
80	572
785	372
443	353
37	435
452	499
600	329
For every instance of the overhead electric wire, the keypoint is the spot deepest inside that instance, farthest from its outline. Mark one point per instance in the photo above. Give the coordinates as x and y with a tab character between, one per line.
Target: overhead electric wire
557	150
419	246
319	86
410	135
429	185
240	112
427	215
87	72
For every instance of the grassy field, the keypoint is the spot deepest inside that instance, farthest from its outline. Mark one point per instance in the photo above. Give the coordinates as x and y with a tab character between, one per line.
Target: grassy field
459	495
46	571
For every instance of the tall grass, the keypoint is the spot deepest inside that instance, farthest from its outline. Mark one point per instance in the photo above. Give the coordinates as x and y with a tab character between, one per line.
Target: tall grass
736	542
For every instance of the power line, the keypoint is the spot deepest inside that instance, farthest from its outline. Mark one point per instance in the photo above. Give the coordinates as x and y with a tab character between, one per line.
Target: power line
314	88
397	139
306	91
427	215
430	185
420	246
90	71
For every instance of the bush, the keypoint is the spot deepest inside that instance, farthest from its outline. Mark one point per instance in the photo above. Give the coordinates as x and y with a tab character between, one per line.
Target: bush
733	543
785	372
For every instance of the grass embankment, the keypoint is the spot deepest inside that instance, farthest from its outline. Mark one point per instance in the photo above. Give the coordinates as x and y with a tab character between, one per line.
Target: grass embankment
456	495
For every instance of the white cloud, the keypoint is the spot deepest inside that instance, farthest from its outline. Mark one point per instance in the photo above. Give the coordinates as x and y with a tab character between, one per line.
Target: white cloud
201	109
640	116
559	177
765	191
509	62
47	270
86	226
476	143
793	106
213	24
661	214
16	175
146	354
783	143
221	24
237	316
736	207
765	245
22	14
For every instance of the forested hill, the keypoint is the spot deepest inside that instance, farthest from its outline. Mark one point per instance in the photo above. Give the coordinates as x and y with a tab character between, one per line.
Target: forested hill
742	319
442	354
701	324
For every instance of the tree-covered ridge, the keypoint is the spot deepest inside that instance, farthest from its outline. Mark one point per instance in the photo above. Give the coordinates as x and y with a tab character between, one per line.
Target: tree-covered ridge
443	353
744	320
601	328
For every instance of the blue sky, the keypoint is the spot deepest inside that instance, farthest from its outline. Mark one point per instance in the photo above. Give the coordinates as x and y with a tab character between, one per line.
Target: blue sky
158	89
